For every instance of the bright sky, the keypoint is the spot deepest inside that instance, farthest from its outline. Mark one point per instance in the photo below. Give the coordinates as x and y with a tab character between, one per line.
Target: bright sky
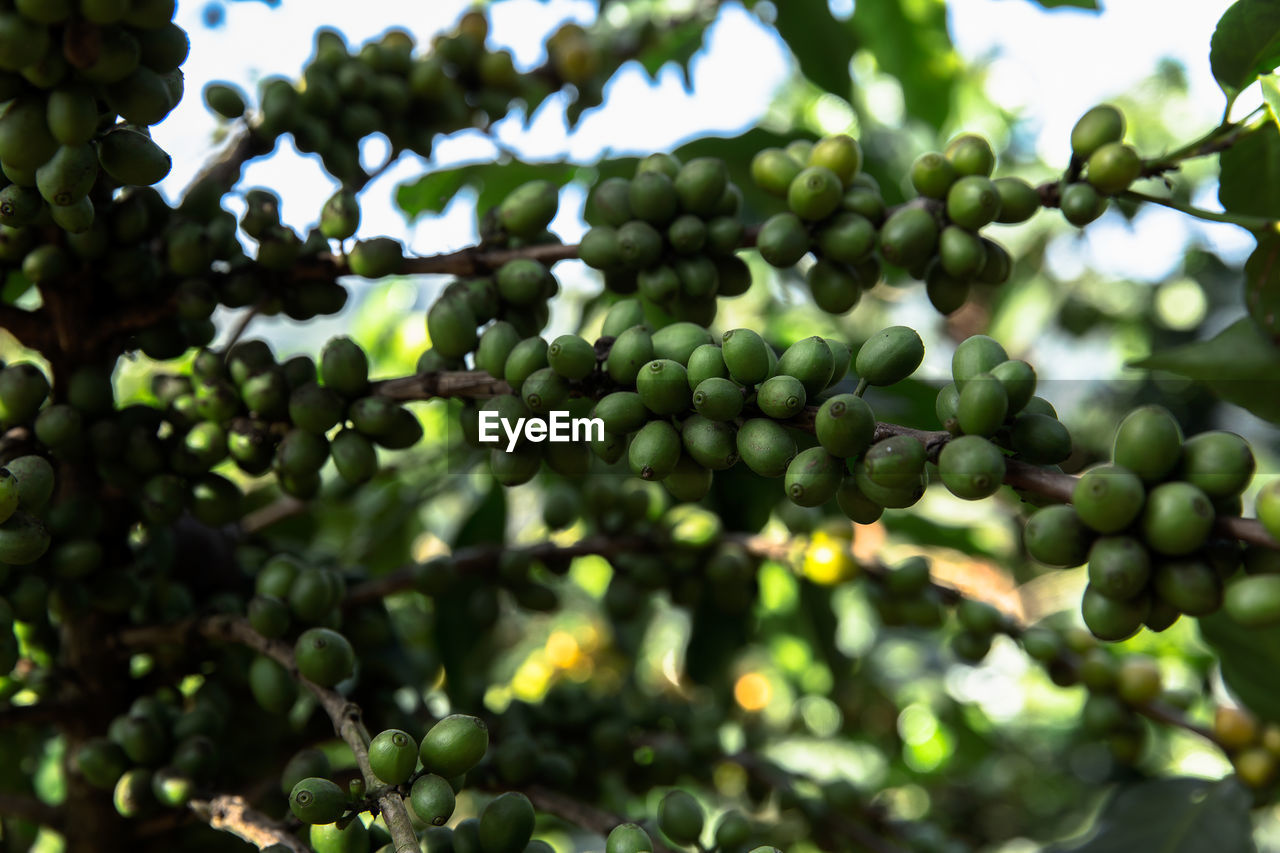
1050	66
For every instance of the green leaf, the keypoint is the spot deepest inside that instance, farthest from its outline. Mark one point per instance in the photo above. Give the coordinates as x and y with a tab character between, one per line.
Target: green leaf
910	42
1248	658
1262	285
1245	44
1249	181
1240	365
487	524
677	45
1173	816
1271	94
432	192
823	46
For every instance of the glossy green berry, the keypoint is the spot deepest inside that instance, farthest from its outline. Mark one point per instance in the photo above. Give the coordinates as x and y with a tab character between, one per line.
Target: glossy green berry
896	462
813	477
600	249
495	346
1056	536
1081	204
971	155
890	497
630	837
663	386
1110	619
840	153
623	412
610	201
451	326
630	352
712	444
889	356
1119	566
1190	585
432	799
315	800
766	447
932	174
680	818
845	425
1099	126
1108	498
353	837
23	539
1268	506
1019	201
376	258
525	359
1177	518
678	341
101	762
506	823
1040	439
522	281
961	253
132	795
393	756
1253	602
454	745
975	355
272	685
654	450
773	170
624	314
783	240
132	158
705	362
344	367
324	656
1148	443
815	193
700	184
809	360
1113	167
971	467
781	397
746	355
529	209
972	202
718	399
1218	463
854	504
908	237
982	406
544	391
689	481
172	788
653	198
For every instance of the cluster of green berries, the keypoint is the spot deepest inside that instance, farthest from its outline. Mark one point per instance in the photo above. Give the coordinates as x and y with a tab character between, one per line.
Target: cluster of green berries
83	82
670	234
1102	165
1144	524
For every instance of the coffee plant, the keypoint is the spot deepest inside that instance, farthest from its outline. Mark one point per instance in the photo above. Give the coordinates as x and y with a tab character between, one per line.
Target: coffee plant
652	576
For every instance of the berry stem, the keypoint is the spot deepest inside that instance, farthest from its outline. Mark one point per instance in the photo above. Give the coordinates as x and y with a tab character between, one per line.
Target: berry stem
1252	223
861	389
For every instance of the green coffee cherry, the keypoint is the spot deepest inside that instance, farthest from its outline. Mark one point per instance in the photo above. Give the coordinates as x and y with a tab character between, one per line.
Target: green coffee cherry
631	350
961	253
700	184
131	158
653	198
495	347
896	497
971	155
973	202
1268	506
783	240
1099	126
654	450
506	823
766	447
896	462
432	800
1218	463
971	467
813	477
451	326
1019	201
1112	620
454	745
630	837
393	756
845	425
1113	167
1119	566
1108	498
746	355
975	355
680	818
324	656
908	237
705	362
847	238
1081	204
544	391
101	762
678	341
712	444
809	360
353	837
624	314
529	209
854	504
1253	602
1177	518
815	193
316	801
840	153
889	356
718	399
23	539
344	367
663	386
1040	439
781	397
272	685
982	406
1056	536
1148	443
932	174
1190	585
525	359
132	795
623	412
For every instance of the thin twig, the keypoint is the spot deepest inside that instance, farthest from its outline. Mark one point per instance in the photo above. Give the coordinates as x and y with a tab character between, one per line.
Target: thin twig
242	325
232	813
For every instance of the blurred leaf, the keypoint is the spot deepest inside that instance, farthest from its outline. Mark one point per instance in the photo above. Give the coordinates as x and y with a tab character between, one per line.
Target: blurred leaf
487	524
1262	285
1245	44
1173	816
1250	174
493	181
1271	94
1248	658
1240	365
677	45
910	42
823	46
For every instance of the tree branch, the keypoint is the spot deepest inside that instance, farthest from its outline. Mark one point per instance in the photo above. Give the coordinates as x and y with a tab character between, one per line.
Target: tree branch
244	145
232	813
